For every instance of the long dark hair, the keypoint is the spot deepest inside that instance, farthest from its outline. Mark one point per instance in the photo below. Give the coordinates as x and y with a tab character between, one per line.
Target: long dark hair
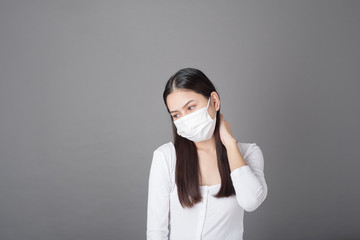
187	165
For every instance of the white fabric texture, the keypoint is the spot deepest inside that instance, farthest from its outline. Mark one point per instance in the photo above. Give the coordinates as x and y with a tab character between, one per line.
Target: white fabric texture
212	218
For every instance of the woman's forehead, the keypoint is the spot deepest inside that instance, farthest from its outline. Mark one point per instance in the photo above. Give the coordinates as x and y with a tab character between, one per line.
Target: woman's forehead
178	98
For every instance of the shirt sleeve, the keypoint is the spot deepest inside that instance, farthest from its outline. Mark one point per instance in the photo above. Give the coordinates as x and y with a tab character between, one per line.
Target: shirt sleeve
158	198
249	181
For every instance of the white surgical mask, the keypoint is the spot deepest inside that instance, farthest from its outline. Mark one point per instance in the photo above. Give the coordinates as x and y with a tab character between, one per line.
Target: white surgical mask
196	126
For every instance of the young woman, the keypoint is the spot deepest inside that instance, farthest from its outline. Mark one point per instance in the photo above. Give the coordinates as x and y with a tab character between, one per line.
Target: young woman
201	183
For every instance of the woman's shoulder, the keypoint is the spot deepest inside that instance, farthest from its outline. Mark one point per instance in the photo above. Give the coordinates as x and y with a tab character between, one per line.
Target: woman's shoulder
166	151
164	157
165	148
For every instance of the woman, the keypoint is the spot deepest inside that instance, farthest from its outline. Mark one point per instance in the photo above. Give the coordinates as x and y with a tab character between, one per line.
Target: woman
200	184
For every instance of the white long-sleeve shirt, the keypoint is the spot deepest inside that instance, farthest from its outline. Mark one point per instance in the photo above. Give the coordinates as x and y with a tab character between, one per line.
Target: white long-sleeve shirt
212	218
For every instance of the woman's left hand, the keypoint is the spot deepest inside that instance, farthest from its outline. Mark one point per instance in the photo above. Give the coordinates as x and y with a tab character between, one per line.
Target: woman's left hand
225	131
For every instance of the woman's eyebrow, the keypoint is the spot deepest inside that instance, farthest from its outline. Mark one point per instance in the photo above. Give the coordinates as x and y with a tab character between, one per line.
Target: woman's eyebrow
183	106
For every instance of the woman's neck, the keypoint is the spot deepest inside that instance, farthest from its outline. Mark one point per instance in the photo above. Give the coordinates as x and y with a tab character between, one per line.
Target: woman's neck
207	145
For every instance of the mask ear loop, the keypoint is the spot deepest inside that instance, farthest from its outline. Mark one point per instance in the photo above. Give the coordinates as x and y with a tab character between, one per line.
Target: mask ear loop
208	103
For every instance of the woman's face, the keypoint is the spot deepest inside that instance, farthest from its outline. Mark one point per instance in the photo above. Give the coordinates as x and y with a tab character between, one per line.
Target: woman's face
182	102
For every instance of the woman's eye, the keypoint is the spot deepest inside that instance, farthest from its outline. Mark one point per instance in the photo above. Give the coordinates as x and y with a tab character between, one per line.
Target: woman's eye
189	108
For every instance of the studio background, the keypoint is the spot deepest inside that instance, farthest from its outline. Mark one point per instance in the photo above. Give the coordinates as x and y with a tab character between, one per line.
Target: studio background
81	110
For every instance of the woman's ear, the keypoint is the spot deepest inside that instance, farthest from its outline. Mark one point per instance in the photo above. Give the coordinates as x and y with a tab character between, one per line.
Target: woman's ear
215	100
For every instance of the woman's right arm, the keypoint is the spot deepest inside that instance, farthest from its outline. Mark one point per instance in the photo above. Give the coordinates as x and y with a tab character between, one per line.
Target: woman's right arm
158	198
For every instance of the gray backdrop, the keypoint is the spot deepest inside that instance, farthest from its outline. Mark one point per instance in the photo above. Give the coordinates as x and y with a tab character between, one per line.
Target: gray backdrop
82	112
